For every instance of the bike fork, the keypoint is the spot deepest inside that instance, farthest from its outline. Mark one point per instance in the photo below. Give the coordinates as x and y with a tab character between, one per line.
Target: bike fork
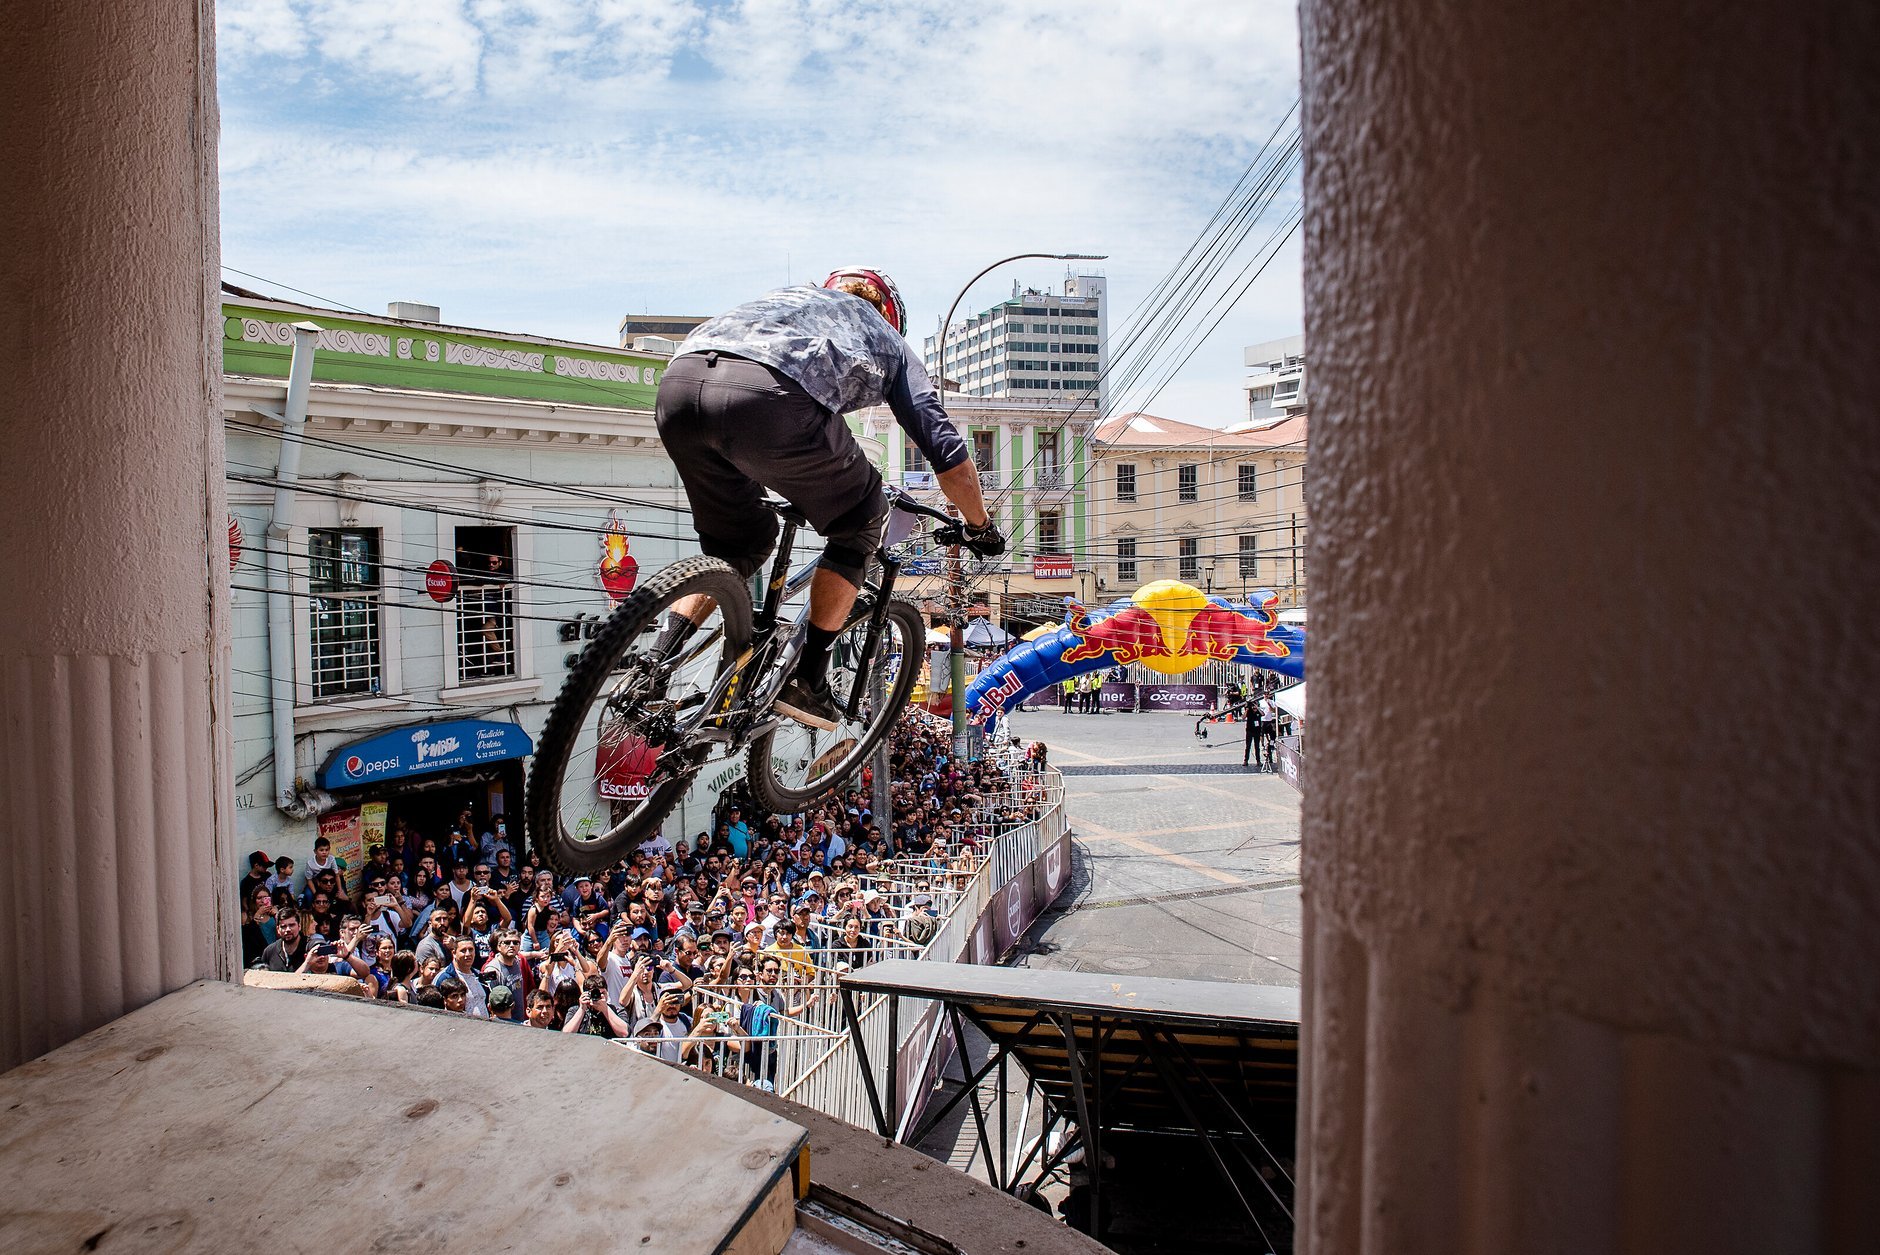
878	615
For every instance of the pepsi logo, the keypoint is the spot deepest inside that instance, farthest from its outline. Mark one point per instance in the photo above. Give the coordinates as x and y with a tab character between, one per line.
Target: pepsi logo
355	766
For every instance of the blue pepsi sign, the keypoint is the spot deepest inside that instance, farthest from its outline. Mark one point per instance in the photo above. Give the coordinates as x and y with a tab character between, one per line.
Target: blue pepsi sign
425	748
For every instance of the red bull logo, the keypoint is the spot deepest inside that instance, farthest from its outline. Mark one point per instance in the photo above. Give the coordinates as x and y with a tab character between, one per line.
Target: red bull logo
1173	627
1221	632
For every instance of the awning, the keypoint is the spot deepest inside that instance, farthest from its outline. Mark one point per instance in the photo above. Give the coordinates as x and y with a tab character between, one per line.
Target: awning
1292	700
421	749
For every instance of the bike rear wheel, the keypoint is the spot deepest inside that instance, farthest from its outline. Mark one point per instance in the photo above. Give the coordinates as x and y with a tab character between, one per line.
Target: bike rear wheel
618	750
793	765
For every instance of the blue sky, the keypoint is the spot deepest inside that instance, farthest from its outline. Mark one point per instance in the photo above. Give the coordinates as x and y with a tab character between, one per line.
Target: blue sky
549	165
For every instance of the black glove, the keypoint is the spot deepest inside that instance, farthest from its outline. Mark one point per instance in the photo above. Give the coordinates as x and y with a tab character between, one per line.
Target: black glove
987	541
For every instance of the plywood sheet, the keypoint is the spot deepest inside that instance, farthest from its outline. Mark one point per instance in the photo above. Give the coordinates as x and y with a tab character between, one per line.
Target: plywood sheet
239	1119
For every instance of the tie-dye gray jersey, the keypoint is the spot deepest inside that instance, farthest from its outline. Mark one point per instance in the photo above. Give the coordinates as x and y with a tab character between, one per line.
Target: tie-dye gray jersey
843	353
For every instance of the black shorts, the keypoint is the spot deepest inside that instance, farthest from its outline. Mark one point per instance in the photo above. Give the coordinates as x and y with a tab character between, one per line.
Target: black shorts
735	427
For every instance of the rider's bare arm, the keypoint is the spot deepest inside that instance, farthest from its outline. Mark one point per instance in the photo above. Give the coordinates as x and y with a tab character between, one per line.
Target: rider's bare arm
961	485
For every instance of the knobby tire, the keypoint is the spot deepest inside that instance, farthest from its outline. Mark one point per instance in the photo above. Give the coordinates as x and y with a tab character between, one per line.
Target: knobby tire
574	705
783	799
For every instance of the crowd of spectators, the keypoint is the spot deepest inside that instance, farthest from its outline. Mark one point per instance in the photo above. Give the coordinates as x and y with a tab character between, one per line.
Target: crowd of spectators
699	950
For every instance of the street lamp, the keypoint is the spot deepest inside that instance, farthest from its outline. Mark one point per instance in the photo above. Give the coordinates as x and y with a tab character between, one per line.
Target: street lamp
957	568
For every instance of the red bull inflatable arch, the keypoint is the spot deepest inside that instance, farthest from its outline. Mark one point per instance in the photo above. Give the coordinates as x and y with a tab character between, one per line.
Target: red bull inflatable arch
1167	626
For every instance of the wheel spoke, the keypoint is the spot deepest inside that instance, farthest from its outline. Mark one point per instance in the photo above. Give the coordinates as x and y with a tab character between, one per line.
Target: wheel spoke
619	745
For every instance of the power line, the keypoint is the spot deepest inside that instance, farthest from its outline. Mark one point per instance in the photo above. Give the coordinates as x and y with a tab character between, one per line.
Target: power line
1177	286
472	474
1294	220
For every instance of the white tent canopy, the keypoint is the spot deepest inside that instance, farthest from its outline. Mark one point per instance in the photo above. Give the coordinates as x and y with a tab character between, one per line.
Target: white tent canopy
1292	700
985	634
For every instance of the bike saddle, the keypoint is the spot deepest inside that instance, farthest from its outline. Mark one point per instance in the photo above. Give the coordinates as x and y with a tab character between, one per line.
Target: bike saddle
785	511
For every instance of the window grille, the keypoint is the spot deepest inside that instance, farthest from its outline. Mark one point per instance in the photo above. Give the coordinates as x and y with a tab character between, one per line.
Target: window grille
344	567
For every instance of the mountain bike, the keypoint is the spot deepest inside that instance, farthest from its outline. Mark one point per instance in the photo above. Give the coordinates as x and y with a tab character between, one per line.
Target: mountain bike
635	724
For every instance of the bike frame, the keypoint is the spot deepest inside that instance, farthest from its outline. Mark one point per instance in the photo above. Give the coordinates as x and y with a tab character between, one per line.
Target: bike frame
871	601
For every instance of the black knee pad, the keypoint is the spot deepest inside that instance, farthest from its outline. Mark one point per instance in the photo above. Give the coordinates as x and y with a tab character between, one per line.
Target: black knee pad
853	538
848	562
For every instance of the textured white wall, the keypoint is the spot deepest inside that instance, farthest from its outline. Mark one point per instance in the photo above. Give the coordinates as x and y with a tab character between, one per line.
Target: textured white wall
114	830
1591	863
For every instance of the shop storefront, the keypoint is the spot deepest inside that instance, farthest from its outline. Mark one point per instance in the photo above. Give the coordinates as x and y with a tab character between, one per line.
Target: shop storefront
425	775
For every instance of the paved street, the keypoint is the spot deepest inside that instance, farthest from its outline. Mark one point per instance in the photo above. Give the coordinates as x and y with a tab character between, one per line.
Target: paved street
1185	864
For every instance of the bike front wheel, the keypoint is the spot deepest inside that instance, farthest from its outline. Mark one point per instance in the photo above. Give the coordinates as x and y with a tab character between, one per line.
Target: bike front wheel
794	764
620	746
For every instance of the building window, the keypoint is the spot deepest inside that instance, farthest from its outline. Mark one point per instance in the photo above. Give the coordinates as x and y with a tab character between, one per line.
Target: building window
345	611
1249	557
1125	481
1050	531
1050	475
912	459
1126	560
486	604
1187	482
1190	559
985	458
1249	481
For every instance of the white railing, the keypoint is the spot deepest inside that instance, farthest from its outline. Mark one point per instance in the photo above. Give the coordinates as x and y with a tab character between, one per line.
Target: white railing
834	1084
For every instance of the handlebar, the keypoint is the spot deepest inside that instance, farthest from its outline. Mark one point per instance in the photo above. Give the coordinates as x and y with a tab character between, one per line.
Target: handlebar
899	500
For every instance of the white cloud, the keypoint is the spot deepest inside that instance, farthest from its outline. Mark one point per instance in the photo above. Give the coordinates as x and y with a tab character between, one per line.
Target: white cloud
549	164
247	30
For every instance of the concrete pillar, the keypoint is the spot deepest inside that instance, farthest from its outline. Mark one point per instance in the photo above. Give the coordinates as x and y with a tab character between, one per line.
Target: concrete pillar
116	881
1592	872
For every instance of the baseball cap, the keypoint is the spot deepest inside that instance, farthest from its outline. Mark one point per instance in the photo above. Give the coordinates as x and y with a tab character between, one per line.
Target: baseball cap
258	856
501	999
638	933
579	879
871	895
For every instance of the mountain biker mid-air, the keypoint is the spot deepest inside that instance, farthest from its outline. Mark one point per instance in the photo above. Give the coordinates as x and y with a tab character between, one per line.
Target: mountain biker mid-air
754	399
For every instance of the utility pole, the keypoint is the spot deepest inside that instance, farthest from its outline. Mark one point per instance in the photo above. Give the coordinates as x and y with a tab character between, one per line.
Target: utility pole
956	582
882	801
956	644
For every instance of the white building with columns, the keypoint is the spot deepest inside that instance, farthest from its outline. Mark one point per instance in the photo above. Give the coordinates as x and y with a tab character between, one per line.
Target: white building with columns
1034	458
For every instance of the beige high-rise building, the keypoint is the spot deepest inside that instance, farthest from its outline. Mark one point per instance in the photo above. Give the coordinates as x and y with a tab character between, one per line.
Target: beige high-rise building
1222	511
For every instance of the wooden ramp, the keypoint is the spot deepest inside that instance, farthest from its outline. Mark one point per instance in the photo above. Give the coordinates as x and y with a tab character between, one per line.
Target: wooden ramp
223	1118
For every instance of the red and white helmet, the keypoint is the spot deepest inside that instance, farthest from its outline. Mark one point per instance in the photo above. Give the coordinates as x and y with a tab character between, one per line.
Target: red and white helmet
885	297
